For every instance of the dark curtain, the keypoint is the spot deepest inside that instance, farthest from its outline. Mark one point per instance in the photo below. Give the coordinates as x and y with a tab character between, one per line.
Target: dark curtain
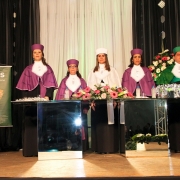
20	28
147	26
26	33
6	32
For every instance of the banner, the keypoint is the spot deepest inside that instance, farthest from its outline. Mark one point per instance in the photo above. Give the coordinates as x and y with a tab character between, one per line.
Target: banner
5	96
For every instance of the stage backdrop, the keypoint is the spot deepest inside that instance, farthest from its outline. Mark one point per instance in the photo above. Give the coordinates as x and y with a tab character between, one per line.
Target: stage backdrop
5	96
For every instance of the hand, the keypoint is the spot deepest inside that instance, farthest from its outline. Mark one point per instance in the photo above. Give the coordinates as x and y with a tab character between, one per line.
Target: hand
93	105
114	104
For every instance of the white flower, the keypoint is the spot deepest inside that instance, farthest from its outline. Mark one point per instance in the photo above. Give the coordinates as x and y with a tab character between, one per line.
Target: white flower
160	61
125	95
140	135
163	68
163	64
102	89
169	62
155	63
103	95
109	90
152	67
158	70
148	134
81	90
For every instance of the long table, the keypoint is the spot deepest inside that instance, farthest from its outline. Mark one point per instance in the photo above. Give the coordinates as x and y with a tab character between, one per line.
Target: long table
57	131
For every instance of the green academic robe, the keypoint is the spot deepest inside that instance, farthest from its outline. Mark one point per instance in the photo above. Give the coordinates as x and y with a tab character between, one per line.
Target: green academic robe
167	77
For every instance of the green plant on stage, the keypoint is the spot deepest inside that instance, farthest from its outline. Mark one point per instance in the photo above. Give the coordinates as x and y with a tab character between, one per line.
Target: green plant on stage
142	138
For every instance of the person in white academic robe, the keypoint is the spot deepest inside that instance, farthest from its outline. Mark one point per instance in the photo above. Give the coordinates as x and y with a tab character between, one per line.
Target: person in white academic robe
104	133
103	74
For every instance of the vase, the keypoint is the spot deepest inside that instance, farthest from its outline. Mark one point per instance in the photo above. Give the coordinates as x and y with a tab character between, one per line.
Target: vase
152	146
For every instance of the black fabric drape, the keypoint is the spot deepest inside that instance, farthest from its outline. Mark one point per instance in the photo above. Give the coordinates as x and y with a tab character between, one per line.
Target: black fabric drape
6	32
17	34
27	32
147	26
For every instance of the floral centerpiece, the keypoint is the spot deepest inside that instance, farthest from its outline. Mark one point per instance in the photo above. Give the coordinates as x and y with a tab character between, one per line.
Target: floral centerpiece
160	63
142	138
102	92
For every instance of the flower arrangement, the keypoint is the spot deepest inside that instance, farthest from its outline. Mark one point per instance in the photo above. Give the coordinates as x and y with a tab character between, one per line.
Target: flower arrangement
160	62
102	92
142	138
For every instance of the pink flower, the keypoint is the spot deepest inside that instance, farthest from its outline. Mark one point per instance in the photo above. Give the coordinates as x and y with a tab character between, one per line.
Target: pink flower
86	96
151	68
87	89
164	58
129	94
78	94
119	90
158	56
106	87
154	75
97	91
114	94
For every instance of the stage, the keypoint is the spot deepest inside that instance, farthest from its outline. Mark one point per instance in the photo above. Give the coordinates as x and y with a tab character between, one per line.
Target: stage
13	165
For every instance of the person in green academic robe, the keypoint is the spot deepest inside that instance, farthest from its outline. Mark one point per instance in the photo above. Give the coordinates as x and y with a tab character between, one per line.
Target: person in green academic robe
172	73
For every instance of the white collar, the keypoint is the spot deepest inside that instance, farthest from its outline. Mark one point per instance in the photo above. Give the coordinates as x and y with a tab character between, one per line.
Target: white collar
176	70
101	66
73	82
102	72
39	68
137	73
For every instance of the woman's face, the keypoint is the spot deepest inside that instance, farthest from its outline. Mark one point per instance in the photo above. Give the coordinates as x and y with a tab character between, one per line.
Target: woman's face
136	59
101	58
72	68
37	55
177	57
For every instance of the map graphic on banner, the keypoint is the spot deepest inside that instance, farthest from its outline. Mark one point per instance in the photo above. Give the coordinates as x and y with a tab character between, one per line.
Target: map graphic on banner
5	96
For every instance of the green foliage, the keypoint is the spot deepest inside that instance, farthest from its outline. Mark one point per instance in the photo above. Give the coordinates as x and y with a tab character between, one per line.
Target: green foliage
141	138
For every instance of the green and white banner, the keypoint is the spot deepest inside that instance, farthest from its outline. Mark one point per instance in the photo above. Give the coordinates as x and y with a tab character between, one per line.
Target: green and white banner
5	96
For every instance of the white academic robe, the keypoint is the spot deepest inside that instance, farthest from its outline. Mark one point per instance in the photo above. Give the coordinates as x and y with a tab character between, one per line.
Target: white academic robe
111	78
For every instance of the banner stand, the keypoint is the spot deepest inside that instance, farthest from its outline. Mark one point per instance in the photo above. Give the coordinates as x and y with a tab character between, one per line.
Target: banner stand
5	96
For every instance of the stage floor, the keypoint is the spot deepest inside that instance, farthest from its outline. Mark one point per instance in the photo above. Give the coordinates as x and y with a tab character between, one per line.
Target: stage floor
13	164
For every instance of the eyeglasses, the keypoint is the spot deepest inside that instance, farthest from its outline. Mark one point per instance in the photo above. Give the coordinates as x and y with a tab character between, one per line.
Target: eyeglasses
72	66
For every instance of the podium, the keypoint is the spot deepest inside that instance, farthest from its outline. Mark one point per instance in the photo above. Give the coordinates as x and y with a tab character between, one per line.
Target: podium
144	117
60	129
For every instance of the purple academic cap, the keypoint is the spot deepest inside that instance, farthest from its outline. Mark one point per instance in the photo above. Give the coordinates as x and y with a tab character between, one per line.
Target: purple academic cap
72	61
37	46
136	51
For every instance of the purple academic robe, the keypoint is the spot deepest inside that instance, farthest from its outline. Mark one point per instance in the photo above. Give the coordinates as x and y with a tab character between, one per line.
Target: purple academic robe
62	88
29	80
146	83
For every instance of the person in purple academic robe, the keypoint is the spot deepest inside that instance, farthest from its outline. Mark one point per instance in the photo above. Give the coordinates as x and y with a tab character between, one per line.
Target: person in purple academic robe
38	78
73	81
137	75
